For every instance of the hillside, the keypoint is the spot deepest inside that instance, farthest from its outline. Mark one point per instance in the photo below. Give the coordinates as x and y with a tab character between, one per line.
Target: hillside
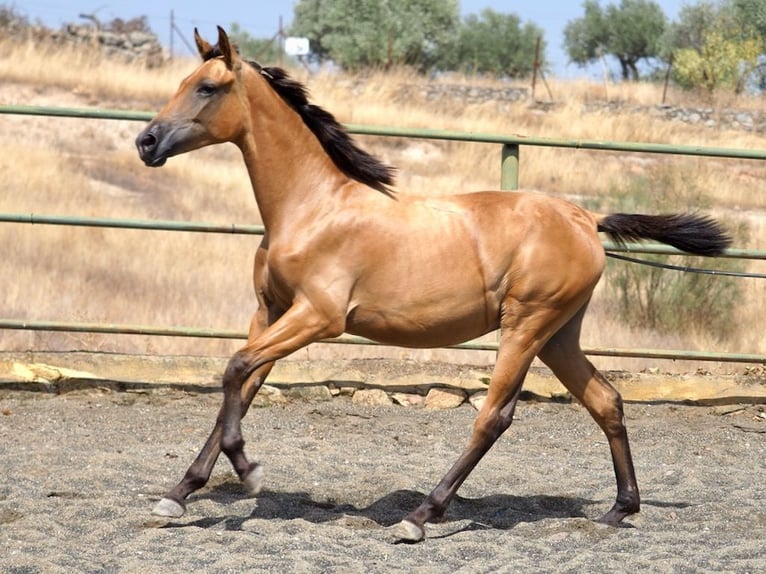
90	167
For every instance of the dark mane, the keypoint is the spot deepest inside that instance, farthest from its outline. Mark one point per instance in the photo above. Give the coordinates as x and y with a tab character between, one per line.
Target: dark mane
337	143
347	156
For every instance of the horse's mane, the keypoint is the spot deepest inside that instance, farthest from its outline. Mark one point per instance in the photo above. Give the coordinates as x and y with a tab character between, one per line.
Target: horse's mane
336	141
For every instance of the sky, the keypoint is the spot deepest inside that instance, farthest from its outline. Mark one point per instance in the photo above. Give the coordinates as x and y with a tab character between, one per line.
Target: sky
261	18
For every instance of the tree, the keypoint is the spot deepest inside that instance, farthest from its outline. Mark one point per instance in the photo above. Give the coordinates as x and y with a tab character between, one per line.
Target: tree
357	34
264	50
754	13
494	43
310	21
715	46
630	32
635	29
586	38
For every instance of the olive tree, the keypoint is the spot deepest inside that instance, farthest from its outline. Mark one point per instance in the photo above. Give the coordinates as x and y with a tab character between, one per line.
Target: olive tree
630	32
359	34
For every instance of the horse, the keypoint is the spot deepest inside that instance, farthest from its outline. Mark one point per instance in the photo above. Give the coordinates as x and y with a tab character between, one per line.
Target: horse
343	251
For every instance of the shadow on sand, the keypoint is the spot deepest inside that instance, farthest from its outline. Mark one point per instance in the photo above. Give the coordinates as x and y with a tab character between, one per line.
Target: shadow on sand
498	511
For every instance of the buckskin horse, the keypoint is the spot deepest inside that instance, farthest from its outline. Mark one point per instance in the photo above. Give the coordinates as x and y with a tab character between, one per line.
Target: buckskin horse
343	252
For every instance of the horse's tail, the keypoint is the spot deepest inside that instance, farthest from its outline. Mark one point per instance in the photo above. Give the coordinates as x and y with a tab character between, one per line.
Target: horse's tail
693	233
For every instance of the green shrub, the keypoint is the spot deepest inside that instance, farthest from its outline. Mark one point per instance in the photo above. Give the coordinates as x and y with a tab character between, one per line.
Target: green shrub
671	301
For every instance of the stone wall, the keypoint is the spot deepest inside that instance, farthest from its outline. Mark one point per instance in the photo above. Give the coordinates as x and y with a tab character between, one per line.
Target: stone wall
746	120
463	93
366	381
140	47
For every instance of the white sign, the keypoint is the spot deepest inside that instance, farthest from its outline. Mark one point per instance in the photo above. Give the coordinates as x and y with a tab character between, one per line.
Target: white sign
295	46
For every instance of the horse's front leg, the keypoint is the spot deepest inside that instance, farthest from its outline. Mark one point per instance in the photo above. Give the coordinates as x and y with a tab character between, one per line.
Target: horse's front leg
301	325
173	505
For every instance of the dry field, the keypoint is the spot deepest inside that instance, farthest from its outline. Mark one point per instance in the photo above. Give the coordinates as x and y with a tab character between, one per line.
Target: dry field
90	168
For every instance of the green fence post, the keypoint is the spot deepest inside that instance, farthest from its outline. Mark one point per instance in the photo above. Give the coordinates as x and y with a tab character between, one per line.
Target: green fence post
509	174
509	180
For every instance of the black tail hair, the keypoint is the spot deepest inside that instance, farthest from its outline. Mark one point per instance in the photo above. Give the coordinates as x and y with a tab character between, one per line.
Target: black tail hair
690	232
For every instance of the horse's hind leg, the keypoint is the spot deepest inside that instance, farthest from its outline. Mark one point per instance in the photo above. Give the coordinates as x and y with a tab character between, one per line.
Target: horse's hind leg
564	357
495	416
173	504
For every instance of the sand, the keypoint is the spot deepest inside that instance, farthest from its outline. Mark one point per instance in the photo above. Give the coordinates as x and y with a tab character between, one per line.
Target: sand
82	470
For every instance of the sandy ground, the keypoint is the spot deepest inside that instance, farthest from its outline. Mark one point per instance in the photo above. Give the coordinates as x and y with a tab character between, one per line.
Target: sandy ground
81	471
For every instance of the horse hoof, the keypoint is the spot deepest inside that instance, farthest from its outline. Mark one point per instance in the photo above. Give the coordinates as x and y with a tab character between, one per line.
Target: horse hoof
407	531
254	480
168	508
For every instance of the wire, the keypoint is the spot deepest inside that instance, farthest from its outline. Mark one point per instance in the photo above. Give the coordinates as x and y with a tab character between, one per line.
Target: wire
686	268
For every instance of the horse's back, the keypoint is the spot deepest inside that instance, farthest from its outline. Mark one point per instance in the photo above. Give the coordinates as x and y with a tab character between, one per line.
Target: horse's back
530	222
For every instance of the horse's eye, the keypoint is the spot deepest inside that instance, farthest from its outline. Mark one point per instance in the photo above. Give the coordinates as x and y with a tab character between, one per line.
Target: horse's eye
206	90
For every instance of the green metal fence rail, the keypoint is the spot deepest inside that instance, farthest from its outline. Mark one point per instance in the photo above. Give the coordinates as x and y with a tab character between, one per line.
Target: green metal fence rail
205	333
146	224
244	229
510	142
509	180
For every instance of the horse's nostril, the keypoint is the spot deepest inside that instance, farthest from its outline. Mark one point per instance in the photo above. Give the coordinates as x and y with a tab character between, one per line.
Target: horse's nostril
148	141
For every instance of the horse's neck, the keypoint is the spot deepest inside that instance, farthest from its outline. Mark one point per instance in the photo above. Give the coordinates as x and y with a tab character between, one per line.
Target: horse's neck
290	173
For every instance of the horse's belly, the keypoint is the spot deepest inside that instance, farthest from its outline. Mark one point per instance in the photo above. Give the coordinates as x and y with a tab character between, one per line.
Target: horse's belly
422	325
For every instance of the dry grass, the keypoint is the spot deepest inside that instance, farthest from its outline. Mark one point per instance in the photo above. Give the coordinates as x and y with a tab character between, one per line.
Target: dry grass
89	167
88	74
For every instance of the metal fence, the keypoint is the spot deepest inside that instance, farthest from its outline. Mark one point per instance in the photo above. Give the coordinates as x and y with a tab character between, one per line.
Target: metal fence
509	180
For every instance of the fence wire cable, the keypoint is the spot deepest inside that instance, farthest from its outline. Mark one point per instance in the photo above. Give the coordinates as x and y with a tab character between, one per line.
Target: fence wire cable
686	268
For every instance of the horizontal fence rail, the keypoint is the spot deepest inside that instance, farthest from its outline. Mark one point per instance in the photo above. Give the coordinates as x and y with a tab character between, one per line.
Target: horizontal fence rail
205	333
146	224
509	179
423	133
250	229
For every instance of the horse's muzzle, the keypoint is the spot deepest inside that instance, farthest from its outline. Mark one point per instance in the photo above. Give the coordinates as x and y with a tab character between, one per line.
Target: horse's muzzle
149	149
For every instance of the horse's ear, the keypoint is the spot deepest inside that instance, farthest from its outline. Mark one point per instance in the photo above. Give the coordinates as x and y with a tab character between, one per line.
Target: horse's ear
203	46
230	55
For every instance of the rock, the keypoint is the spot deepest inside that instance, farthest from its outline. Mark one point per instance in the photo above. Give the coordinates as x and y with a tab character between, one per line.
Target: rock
371	397
268	395
440	398
341	391
477	399
407	399
309	393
